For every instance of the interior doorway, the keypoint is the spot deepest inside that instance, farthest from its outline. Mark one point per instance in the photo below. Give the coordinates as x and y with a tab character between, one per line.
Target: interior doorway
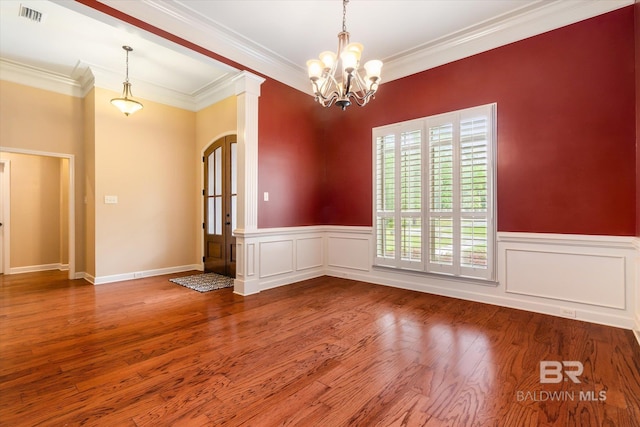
220	213
4	211
66	203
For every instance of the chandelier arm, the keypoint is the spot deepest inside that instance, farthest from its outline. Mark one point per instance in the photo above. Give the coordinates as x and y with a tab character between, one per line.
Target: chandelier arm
325	100
361	100
331	85
324	91
359	84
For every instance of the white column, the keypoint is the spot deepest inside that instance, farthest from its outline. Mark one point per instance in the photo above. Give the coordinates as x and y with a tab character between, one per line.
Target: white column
247	94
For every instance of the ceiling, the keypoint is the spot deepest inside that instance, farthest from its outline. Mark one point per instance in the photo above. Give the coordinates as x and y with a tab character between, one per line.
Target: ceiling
274	38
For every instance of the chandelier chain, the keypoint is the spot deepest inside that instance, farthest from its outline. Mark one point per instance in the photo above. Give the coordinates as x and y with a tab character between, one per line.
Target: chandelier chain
344	15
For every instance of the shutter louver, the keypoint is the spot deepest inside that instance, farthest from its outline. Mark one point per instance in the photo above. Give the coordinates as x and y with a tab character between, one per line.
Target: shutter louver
441	194
441	168
411	196
474	181
385	196
473	165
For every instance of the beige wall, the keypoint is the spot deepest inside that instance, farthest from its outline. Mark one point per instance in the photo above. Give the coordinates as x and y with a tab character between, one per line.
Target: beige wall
42	121
146	160
36	210
151	161
215	121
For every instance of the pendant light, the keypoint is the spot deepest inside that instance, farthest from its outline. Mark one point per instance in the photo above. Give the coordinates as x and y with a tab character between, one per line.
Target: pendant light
126	103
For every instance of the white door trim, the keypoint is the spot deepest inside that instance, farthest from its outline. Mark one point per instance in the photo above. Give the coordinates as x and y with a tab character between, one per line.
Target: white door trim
72	198
5	191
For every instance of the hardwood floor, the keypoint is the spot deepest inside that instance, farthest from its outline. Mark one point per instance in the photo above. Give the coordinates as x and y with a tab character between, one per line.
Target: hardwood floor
323	352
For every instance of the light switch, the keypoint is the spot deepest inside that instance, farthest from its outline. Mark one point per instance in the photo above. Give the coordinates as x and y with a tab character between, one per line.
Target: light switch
111	200
266	196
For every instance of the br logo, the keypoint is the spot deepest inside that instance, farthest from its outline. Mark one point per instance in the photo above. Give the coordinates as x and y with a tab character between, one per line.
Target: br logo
553	372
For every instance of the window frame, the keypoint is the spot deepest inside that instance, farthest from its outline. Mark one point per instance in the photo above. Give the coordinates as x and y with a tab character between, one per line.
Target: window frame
458	216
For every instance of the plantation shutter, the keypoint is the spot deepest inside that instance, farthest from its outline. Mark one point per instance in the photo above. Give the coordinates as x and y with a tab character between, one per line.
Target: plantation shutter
410	198
476	207
434	194
398	196
440	213
385	193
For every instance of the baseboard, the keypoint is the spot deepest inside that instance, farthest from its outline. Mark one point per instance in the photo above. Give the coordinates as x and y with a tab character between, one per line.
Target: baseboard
296	276
636	330
101	280
455	289
35	268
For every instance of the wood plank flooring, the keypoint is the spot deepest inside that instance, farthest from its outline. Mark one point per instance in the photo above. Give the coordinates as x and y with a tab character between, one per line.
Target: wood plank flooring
323	352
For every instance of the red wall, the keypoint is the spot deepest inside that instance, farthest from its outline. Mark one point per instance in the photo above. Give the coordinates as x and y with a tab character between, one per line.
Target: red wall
290	161
566	129
637	40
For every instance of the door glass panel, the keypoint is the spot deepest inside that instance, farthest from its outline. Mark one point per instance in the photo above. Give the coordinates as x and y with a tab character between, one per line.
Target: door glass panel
218	171
210	174
218	214
211	215
214	215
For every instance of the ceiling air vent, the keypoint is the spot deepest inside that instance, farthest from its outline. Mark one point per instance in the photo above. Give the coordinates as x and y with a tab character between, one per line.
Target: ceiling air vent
30	14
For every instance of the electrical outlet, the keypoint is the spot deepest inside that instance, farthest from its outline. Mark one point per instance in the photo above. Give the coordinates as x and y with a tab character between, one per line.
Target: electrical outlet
568	312
137	275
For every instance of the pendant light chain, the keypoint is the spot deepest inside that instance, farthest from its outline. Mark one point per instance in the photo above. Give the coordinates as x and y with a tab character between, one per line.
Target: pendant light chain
127	62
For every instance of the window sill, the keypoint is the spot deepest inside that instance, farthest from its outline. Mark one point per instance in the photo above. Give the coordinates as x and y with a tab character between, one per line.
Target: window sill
441	276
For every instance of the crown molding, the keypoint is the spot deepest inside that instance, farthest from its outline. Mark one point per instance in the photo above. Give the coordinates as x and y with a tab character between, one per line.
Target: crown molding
178	19
531	20
85	76
40	78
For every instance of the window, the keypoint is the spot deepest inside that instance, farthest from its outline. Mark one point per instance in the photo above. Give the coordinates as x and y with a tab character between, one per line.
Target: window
434	197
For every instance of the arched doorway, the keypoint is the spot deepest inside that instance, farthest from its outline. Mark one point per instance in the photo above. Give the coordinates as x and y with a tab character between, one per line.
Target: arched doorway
220	206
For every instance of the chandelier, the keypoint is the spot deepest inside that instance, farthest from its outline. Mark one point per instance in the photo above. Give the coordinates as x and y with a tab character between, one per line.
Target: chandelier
126	104
352	87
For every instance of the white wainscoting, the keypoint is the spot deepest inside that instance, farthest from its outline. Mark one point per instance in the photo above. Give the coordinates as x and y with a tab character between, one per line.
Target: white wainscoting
273	257
591	278
595	277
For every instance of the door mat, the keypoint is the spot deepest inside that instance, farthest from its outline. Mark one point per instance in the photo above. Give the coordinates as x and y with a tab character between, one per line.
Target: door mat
204	282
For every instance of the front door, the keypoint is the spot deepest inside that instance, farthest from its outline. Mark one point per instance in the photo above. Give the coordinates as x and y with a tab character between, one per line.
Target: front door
220	193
